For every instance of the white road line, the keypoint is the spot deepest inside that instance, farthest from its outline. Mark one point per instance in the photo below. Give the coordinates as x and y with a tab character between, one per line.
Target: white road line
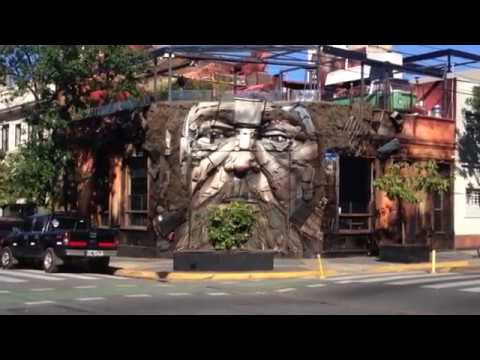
125	286
365	276
111	277
388	278
162	285
4	292
474	290
285	290
11	280
138	296
217	294
315	285
261	292
33	276
90	299
39	303
434	279
178	294
453	284
40	290
77	276
85	287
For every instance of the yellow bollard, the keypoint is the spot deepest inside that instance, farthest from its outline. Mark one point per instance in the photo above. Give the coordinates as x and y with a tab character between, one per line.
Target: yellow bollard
434	260
320	266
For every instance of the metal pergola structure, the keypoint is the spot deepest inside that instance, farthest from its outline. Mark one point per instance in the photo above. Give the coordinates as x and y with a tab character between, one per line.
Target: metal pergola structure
295	57
290	57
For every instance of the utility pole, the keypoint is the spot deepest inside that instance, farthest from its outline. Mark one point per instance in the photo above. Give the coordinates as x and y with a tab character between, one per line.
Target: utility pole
170	76
319	82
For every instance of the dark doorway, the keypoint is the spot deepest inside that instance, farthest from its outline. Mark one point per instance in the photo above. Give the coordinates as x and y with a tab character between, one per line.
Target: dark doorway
354	194
355	185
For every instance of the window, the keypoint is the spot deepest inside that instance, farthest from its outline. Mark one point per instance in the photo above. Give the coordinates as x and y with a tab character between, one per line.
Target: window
38	224
472	202
18	134
137	191
4	139
63	223
438	206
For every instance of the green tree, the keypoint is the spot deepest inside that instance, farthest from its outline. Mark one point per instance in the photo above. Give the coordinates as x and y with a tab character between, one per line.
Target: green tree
65	82
469	141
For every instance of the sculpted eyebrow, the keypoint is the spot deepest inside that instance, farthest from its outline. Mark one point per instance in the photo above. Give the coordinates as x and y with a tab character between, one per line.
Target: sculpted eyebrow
208	124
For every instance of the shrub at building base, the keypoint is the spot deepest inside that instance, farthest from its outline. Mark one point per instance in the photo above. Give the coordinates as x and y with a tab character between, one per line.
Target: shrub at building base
230	226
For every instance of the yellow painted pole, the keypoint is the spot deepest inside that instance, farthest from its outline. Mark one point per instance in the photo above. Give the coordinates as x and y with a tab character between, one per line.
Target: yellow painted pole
320	266
434	260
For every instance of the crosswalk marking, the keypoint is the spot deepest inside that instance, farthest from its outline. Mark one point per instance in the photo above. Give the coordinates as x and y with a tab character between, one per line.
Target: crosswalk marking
11	280
389	278
77	276
4	292
315	285
454	284
358	277
437	278
474	290
32	276
217	294
112	277
178	294
40	290
86	287
39	303
138	296
285	290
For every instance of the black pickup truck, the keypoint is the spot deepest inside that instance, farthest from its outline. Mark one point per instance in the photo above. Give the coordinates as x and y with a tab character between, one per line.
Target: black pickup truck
56	240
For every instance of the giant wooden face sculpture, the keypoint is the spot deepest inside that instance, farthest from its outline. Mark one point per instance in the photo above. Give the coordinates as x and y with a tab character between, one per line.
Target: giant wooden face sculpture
252	151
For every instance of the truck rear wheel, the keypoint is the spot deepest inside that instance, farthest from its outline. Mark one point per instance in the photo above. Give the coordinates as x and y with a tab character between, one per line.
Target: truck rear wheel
7	259
50	261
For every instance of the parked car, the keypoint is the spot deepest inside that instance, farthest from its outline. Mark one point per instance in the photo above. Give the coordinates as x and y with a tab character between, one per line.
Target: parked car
56	240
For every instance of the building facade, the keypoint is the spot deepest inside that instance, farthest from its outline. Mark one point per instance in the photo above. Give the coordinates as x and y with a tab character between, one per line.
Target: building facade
14	131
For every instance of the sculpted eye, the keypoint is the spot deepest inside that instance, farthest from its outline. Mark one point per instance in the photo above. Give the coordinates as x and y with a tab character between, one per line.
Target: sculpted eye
216	135
276	136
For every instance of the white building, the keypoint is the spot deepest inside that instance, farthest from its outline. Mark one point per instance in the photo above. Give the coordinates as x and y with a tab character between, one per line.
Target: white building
14	131
467	179
352	70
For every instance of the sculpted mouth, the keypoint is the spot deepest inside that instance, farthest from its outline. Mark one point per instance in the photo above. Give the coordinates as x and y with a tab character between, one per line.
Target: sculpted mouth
239	191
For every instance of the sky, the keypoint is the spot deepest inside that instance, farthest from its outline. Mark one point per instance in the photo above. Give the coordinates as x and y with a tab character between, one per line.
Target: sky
406	50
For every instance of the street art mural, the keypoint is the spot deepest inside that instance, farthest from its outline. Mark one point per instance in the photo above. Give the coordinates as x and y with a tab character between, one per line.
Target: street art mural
268	154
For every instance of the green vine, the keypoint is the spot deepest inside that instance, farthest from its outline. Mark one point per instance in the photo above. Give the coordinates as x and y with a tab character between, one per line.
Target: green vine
403	181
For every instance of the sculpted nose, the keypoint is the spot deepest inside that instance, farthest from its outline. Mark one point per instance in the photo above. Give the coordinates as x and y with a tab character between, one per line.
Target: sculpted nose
240	163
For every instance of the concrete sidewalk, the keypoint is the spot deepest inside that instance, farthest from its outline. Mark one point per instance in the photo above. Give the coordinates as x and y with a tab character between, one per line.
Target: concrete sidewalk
162	269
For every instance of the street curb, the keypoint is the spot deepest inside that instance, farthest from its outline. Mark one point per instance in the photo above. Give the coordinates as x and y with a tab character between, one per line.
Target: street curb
219	276
277	275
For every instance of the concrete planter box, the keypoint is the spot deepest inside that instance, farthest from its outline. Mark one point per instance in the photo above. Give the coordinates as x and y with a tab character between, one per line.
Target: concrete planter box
223	260
404	253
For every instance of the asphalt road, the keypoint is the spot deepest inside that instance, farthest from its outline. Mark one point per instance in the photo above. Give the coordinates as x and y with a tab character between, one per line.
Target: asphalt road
34	292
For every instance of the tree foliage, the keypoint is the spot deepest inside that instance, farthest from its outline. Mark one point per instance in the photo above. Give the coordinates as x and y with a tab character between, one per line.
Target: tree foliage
65	81
469	141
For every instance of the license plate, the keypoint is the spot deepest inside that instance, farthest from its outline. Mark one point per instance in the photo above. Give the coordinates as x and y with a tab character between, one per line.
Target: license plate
94	253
